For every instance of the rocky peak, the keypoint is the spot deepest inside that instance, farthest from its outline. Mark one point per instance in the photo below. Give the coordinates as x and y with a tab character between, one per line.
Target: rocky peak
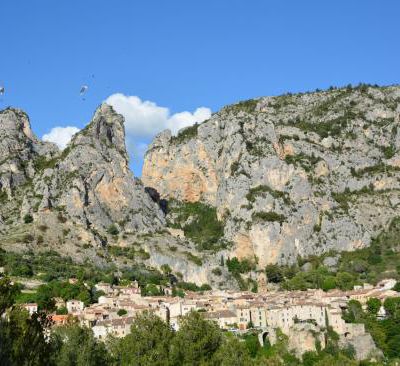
105	132
19	149
15	123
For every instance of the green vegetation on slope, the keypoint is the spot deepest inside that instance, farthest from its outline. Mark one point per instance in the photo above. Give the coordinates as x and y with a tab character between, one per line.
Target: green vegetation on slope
199	223
368	265
185	135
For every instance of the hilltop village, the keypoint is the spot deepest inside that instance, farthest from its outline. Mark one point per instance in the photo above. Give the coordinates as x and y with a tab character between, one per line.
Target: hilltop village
297	314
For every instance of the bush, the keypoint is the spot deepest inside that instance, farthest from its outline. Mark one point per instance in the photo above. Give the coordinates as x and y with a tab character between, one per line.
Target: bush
122	312
274	273
113	230
28	219
217	272
268	216
236	266
185	135
62	311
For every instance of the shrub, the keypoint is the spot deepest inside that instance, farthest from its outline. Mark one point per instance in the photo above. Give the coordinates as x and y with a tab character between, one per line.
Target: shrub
122	312
268	216
274	273
28	238
61	218
113	230
186	134
236	266
217	272
28	219
193	258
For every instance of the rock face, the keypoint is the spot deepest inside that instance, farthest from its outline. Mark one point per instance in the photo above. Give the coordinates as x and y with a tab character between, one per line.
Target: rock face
19	148
291	175
84	200
363	345
92	182
305	338
88	184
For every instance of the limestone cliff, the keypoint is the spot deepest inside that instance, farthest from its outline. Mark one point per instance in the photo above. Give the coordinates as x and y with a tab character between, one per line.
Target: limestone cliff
292	175
84	202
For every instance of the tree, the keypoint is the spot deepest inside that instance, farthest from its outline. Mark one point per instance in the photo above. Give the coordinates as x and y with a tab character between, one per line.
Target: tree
373	305
392	306
232	352
196	341
252	344
394	346
8	293
151	290
77	346
166	269
148	343
121	312
62	311
329	283
22	339
274	273
44	298
345	281
354	312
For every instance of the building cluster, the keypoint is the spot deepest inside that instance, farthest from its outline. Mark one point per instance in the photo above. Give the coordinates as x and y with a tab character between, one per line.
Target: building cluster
235	311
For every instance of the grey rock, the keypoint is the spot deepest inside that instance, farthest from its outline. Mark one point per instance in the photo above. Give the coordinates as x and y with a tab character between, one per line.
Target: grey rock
293	175
331	262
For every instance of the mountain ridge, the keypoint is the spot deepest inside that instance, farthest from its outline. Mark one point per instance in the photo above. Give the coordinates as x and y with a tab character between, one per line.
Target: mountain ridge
264	181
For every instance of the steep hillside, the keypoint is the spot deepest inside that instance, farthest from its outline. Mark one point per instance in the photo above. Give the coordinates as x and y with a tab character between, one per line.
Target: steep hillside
84	203
292	175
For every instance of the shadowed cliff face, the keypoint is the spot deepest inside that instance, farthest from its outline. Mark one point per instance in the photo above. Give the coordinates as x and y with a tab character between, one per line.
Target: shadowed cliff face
290	175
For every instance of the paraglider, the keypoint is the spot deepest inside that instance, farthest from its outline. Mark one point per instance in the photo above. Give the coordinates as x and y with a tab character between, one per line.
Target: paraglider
83	90
2	90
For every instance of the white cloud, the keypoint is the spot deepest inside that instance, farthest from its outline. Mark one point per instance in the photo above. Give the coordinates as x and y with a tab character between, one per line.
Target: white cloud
61	136
144	119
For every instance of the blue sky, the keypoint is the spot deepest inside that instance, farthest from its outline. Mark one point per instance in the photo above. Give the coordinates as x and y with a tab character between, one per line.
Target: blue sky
182	55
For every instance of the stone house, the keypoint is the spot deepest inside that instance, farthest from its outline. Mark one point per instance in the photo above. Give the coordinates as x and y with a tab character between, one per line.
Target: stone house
285	316
115	327
105	287
243	316
258	315
225	319
31	308
75	306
